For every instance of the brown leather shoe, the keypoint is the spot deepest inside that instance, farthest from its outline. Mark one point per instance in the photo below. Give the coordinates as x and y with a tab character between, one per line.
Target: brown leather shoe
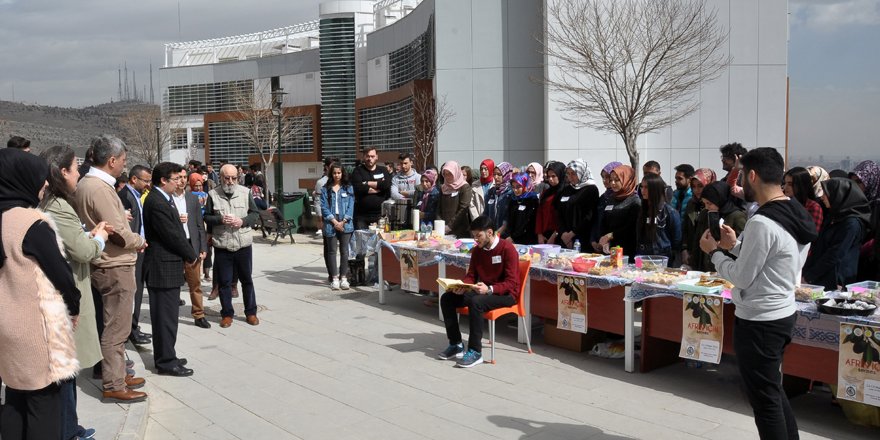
215	292
253	320
125	396
134	383
226	322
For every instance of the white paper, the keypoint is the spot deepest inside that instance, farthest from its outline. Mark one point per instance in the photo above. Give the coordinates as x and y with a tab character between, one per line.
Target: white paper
872	392
709	351
522	207
378	176
564	199
578	323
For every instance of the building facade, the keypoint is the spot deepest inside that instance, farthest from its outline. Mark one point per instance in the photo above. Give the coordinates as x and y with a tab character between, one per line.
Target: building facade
359	76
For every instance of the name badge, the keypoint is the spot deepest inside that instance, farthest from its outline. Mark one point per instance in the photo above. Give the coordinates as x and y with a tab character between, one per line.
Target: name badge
490	201
378	176
564	199
419	204
609	207
522	207
344	195
455	194
496	259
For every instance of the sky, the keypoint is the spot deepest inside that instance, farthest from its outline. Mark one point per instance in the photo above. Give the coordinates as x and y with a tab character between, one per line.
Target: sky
66	53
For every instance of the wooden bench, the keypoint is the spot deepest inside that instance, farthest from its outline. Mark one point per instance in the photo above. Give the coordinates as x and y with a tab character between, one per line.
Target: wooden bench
273	222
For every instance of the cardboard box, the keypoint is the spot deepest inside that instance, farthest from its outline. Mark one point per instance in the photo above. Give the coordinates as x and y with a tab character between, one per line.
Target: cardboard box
566	339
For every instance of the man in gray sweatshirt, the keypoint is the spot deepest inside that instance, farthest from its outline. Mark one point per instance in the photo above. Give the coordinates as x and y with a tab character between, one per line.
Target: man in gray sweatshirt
764	265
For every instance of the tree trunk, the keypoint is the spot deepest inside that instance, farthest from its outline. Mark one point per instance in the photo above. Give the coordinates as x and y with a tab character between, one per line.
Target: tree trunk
633	152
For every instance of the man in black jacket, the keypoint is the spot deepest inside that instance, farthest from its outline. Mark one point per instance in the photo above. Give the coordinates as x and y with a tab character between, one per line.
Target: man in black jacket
372	187
138	180
164	263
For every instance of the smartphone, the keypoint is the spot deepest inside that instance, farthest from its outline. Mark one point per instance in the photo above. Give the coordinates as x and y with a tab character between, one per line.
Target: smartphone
715	225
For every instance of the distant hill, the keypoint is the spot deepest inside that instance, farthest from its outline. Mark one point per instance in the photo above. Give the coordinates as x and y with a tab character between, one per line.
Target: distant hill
47	126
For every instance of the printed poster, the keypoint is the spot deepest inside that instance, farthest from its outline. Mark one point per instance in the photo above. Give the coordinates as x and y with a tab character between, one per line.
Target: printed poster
858	368
409	270
702	327
571	293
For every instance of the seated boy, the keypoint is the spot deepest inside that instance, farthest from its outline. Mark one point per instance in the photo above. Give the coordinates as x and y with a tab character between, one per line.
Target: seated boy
494	270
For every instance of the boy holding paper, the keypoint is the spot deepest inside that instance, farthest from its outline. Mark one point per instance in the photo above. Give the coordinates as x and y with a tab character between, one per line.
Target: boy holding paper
494	274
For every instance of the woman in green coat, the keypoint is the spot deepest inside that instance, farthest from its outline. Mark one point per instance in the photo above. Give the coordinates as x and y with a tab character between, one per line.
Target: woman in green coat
80	248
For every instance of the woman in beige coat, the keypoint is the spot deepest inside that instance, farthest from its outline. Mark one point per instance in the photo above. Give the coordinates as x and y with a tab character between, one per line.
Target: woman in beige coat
81	248
38	308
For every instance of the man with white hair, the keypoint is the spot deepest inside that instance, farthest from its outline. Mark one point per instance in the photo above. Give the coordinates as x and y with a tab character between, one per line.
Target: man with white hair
230	212
113	273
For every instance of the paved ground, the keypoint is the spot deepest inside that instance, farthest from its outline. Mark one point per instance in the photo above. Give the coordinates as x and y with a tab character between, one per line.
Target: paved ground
326	364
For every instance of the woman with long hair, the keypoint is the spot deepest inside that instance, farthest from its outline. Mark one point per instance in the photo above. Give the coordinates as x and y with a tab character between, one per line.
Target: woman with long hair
619	218
455	200
80	249
546	221
521	211
576	205
337	209
499	196
798	184
834	257
690	236
659	226
39	307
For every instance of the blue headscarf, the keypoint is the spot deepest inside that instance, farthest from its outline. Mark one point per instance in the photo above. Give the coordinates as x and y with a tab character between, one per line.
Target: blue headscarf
523	180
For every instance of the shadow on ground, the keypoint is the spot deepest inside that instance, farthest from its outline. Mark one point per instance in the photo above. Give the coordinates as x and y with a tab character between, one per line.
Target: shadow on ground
534	428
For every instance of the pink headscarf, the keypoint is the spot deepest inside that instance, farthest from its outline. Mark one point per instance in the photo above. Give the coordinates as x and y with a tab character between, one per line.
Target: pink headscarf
458	179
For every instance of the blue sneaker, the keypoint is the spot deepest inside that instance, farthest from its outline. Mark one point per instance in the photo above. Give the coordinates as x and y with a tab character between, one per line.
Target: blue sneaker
470	359
453	351
85	433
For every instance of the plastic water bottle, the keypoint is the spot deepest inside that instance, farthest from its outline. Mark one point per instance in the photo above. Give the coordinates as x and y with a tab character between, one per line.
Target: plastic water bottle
577	245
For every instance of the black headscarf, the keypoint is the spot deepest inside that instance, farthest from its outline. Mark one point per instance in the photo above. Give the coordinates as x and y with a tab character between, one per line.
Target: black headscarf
719	194
558	168
846	200
22	176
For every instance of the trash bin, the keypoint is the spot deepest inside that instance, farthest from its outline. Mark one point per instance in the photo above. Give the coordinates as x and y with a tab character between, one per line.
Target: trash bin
293	206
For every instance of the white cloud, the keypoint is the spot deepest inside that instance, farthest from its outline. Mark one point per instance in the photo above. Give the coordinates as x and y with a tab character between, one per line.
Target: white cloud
830	15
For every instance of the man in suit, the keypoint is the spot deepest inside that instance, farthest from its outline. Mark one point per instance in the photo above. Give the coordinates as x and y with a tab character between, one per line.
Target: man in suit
194	226
138	179
164	263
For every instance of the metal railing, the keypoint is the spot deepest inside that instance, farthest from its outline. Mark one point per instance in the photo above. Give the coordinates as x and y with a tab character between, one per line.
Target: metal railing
258	44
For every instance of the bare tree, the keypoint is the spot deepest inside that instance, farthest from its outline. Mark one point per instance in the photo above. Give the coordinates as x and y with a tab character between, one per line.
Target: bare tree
430	115
258	126
140	134
632	66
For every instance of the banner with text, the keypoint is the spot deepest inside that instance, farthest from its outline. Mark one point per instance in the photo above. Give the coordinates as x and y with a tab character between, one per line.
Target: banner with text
409	270
858	368
571	293
702	327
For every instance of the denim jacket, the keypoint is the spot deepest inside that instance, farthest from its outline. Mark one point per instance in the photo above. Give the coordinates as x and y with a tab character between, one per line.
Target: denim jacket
345	197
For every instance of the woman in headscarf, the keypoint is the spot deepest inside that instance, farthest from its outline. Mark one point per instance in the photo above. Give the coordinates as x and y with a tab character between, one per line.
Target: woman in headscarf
576	205
499	196
487	175
690	237
536	175
521	214
81	248
427	195
36	322
867	175
715	197
455	200
834	257
797	184
604	199
546	221
618	227
817	176
658	226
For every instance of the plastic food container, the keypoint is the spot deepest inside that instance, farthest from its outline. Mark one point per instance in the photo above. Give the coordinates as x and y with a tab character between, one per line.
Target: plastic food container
466	244
582	265
546	249
808	292
652	262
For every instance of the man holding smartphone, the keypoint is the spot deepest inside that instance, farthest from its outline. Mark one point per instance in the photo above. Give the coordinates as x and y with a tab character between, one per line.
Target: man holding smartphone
767	267
230	212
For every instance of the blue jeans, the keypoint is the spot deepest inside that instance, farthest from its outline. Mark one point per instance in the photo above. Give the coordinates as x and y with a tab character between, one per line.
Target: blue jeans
229	265
69	421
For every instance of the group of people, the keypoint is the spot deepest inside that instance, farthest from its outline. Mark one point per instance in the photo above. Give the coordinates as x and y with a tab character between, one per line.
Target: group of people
777	228
79	243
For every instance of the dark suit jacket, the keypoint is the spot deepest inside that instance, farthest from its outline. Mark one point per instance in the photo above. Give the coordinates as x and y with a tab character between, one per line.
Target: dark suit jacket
195	223
167	247
129	201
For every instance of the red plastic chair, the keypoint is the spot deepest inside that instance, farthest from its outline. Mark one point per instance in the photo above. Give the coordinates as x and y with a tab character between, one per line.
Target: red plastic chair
519	309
